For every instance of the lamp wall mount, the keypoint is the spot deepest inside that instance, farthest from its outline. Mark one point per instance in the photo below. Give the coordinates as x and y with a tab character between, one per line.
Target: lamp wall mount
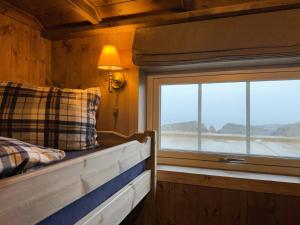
116	80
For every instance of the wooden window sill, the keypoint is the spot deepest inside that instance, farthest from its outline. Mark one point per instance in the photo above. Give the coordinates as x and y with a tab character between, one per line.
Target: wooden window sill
257	182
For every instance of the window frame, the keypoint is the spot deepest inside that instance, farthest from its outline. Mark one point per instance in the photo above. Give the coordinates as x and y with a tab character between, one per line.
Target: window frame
264	164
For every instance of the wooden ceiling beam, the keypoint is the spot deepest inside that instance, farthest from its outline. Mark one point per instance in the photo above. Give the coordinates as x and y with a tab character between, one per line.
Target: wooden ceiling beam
132	7
108	2
202	14
85	9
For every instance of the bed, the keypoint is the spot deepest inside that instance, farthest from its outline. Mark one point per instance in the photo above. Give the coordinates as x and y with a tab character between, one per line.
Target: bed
100	186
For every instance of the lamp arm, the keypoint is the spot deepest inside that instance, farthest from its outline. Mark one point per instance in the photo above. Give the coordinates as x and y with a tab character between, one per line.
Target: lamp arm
110	81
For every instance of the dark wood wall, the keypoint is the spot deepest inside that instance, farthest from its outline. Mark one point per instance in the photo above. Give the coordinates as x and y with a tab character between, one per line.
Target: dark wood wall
181	204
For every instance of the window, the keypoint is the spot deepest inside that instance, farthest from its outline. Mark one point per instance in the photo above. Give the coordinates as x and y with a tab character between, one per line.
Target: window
179	117
224	117
233	118
200	117
213	117
275	118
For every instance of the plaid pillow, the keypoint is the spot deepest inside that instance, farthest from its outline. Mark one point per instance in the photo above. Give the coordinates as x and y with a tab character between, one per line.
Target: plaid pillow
15	156
50	117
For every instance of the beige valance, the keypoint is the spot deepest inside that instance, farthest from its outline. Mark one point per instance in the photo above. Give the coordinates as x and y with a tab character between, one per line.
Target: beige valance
269	34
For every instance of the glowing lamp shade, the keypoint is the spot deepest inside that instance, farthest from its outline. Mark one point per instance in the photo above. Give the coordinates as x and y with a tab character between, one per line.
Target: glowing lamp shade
109	58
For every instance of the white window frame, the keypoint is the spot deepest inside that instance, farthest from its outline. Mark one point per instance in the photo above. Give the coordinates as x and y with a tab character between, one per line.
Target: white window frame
264	164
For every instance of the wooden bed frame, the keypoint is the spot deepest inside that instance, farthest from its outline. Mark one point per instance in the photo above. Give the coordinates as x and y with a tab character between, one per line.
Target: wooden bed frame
31	197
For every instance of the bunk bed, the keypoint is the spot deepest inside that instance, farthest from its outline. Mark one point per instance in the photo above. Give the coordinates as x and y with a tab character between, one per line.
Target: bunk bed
99	186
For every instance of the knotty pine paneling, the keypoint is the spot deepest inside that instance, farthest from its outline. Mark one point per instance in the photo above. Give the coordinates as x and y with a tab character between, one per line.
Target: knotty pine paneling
74	65
24	55
181	204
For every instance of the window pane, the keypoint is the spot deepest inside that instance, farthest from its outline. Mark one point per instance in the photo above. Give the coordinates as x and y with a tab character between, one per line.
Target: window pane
224	117
275	118
179	113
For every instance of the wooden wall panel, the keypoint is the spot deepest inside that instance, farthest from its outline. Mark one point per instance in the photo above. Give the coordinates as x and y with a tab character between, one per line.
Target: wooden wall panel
181	204
74	65
24	55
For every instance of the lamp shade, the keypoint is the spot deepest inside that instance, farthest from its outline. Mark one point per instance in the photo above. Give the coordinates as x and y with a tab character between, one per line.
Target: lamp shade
109	58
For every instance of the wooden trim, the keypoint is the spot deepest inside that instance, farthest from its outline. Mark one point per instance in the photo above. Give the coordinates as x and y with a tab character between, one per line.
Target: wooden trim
285	185
86	9
70	180
218	157
201	14
120	204
212	160
227	76
19	15
294	171
109	138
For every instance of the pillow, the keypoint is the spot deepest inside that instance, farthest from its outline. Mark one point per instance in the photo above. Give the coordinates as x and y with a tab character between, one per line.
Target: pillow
51	117
15	156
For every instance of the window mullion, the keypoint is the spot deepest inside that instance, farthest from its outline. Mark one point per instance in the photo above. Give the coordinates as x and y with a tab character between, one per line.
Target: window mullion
199	116
248	128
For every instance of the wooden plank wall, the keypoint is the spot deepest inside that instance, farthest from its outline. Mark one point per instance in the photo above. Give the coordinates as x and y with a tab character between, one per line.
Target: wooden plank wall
74	65
24	54
28	58
182	204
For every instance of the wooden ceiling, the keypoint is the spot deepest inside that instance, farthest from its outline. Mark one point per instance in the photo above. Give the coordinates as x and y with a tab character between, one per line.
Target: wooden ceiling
58	13
62	17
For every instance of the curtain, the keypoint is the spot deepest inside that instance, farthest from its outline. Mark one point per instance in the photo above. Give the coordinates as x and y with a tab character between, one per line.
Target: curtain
270	34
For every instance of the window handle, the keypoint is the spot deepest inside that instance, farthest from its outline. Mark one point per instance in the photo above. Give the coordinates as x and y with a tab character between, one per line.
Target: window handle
231	160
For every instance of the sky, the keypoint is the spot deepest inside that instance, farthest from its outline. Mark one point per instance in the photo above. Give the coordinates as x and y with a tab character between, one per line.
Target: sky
272	102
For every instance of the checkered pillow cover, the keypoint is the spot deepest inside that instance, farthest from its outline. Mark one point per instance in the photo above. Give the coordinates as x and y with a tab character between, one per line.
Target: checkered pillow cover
47	116
16	156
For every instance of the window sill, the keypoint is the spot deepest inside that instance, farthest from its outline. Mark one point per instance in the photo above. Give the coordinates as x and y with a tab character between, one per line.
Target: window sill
246	181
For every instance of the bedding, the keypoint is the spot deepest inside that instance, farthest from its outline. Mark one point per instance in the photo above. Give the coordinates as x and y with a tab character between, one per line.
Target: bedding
48	116
17	156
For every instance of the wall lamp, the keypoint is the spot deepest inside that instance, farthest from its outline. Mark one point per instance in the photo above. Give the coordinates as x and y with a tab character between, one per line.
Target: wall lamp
110	61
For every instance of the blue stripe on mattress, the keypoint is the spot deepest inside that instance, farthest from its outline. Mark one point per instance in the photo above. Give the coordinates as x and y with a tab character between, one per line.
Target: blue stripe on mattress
81	207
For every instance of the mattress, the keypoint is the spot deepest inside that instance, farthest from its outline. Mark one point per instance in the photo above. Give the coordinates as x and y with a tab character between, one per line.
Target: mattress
81	207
